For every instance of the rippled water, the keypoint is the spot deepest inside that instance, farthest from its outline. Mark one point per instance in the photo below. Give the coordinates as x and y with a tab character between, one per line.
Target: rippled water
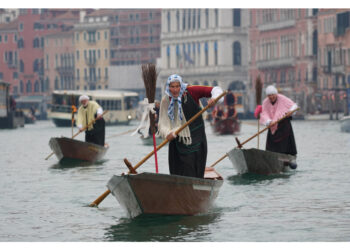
43	201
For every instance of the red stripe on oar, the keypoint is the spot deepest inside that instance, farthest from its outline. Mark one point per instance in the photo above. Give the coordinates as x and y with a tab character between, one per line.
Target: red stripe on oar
155	152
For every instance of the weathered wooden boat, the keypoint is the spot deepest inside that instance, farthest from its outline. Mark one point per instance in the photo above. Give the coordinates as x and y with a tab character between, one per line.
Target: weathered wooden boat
150	193
258	161
227	126
70	149
149	140
345	124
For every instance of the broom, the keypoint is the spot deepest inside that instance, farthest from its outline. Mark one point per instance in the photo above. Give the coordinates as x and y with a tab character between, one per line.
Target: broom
149	76
258	91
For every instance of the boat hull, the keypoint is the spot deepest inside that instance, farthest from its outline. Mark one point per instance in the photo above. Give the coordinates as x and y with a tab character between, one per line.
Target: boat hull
149	140
149	193
345	124
227	126
70	149
259	161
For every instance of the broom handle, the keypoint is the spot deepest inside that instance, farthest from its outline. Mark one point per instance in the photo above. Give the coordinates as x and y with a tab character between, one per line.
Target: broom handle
241	144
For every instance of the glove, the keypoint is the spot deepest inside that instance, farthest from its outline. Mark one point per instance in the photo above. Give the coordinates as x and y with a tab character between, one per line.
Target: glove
258	110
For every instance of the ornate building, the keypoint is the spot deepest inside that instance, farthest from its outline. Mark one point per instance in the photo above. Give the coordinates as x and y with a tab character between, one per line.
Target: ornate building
206	47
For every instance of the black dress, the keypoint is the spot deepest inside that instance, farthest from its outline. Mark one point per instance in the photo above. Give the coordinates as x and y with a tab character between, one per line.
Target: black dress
97	134
282	141
189	160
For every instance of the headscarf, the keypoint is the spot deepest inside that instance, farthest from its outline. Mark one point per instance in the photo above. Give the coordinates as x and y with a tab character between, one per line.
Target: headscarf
271	90
83	97
183	86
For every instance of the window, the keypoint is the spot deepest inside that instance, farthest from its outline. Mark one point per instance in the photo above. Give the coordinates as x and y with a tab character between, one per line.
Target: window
29	87
199	18
1	75
106	73
21	66
177	20
78	74
36	86
194	19
206	18
236	53
216	52
216	18
206	54
168	19
236	17
184	20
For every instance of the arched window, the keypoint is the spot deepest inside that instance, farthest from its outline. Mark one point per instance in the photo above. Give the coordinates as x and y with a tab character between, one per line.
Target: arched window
29	87
21	66
236	85
21	86
314	43
215	83
205	83
36	86
236	53
56	83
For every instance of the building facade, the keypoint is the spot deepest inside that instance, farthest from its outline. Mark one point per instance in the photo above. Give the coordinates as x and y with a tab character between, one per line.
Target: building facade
334	60
283	51
9	57
206	47
92	46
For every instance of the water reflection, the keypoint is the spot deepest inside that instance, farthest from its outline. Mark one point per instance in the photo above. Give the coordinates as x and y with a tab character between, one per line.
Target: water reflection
162	228
249	178
71	163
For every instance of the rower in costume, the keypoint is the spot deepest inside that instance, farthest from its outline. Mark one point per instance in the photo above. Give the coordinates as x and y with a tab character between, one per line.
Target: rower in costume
280	137
187	150
87	112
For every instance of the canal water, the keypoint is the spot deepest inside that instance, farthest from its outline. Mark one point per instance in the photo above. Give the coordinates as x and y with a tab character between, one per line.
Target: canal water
43	201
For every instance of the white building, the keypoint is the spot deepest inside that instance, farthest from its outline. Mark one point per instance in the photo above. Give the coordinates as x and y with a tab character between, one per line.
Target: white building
206	47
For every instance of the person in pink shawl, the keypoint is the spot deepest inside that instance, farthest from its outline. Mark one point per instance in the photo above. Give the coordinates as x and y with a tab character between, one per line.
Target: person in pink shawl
280	137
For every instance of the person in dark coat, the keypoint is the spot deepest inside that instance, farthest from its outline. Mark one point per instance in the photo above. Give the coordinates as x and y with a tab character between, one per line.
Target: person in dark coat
188	149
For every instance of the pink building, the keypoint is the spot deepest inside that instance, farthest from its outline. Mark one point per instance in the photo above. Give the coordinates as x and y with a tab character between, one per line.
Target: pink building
334	59
9	55
135	36
283	51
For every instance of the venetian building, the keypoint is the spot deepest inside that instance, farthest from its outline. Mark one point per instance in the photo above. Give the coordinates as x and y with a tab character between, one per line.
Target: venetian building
283	51
334	60
206	47
92	45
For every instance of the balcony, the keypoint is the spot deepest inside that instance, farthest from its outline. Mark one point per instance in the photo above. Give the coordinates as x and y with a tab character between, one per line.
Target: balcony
91	81
12	64
276	63
276	25
91	41
326	69
90	61
338	69
65	70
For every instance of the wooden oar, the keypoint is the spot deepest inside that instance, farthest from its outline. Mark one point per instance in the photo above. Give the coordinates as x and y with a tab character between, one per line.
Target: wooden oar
250	138
133	169
92	122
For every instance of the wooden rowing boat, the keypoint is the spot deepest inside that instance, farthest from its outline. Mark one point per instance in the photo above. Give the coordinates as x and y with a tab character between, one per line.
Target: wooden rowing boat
227	126
70	149
150	193
258	161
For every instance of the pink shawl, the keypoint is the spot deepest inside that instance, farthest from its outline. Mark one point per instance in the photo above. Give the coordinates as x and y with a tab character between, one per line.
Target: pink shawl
274	112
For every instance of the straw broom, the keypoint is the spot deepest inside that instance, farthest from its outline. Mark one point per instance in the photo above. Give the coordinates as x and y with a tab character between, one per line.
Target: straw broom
149	76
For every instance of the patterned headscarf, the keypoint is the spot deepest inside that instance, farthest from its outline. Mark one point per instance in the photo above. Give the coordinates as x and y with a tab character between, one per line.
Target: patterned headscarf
183	86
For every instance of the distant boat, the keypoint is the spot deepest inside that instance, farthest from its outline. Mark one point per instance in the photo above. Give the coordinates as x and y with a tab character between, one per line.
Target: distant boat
10	116
258	161
345	124
70	149
227	126
120	104
149	140
164	194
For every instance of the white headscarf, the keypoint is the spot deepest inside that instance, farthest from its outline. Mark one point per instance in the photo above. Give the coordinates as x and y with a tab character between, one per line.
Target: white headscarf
83	97
183	86
271	90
